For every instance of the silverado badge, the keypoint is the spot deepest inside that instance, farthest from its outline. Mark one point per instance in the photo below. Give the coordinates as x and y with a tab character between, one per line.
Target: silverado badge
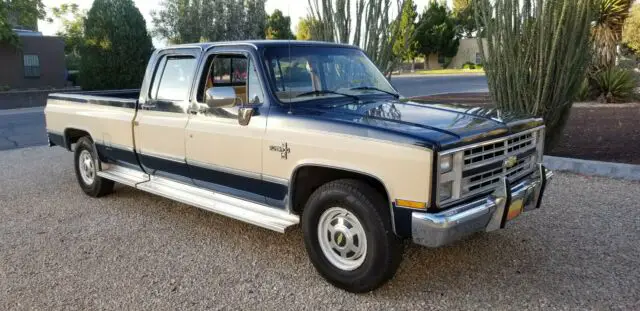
283	149
510	162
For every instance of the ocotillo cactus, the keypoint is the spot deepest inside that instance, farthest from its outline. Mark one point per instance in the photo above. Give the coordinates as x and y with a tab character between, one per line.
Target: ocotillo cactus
374	27
535	56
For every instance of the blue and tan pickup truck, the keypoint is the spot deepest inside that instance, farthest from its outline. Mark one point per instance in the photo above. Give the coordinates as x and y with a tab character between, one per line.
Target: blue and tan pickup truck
281	133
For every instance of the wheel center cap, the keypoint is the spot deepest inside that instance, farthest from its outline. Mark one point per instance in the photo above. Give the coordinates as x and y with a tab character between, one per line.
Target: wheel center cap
340	238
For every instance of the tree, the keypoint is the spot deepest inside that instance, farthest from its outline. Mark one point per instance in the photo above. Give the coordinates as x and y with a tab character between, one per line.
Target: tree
303	30
72	31
372	26
185	21
536	56
22	14
278	26
607	30
117	46
465	17
405	45
631	30
436	32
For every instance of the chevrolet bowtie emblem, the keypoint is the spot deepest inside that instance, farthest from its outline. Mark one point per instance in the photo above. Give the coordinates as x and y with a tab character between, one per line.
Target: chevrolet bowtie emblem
283	149
510	162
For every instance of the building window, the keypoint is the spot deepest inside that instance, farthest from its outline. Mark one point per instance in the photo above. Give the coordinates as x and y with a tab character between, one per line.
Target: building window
441	59
31	66
478	58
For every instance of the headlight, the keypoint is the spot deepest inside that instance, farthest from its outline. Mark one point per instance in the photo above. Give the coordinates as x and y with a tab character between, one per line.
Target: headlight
446	164
445	190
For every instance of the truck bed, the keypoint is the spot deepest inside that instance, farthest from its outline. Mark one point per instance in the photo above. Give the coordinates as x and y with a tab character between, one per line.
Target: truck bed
106	116
116	98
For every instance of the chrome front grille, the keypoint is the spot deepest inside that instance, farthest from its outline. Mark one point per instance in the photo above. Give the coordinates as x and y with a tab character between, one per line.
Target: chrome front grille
490	178
479	155
498	151
480	168
520	143
493	155
482	180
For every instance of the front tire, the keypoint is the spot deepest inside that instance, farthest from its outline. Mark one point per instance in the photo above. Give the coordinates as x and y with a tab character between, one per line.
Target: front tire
348	236
86	166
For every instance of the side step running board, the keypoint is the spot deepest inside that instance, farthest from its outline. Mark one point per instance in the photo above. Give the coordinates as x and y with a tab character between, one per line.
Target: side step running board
257	214
123	175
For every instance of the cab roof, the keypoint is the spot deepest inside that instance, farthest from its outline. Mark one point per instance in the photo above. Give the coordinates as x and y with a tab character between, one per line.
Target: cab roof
258	44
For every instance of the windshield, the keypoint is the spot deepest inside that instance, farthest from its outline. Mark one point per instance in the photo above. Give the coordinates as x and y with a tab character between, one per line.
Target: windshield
303	73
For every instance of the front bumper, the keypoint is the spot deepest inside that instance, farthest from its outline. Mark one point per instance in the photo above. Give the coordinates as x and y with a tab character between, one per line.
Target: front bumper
486	214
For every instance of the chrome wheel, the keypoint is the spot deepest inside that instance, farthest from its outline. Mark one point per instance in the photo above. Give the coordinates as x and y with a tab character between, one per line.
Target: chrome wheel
342	238
87	167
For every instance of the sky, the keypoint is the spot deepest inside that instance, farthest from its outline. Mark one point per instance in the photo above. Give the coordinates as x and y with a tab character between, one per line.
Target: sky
296	9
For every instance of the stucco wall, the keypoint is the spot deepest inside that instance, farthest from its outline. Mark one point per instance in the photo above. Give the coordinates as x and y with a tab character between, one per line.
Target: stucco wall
466	53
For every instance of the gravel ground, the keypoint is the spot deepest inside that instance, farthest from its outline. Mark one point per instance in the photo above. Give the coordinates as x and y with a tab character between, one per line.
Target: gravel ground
60	249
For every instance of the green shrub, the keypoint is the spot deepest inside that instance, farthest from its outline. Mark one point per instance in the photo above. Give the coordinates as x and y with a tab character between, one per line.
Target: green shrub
73	77
613	85
479	66
469	65
117	46
4	88
584	92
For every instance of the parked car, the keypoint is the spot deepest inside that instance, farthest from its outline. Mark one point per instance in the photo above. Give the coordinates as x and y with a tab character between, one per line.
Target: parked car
312	133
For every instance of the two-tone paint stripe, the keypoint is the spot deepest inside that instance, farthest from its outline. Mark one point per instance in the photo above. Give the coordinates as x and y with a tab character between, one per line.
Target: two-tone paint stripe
96	100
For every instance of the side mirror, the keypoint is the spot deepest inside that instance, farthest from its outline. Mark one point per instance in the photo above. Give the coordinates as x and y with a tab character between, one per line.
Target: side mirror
221	97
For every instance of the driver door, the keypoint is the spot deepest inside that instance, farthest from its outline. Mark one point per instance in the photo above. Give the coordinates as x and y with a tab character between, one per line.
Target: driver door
223	155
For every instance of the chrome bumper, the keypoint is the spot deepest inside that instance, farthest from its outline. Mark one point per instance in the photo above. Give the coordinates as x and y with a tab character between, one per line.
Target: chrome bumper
487	214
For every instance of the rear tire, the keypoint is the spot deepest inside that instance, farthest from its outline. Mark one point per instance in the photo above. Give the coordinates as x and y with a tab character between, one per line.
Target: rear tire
87	166
348	236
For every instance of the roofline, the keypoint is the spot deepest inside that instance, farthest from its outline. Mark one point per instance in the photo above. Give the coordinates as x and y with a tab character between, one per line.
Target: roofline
231	43
205	46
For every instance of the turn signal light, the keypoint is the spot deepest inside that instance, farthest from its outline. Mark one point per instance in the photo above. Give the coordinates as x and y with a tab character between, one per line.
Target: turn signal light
411	204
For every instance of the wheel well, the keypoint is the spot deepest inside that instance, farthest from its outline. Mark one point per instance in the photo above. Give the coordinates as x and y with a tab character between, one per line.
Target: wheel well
71	136
307	179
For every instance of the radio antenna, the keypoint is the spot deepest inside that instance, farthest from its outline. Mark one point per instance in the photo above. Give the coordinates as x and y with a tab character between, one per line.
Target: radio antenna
290	98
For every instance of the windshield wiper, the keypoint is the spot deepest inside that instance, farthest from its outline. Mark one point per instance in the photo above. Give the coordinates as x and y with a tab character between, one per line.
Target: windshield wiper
322	92
396	95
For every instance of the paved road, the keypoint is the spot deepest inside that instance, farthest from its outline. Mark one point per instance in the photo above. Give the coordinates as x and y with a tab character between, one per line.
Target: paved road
60	249
25	127
418	85
22	128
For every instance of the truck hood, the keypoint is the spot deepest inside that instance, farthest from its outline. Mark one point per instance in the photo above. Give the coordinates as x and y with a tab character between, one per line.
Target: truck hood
434	124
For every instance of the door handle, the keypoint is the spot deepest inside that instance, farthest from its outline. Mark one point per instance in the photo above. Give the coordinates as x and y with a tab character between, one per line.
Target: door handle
148	106
196	109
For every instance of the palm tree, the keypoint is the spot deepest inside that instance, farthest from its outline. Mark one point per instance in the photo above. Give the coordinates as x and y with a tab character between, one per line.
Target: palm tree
607	30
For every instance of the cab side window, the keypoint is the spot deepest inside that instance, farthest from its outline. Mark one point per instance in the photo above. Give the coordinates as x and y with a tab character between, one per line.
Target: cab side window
176	78
236	71
229	71
256	94
171	84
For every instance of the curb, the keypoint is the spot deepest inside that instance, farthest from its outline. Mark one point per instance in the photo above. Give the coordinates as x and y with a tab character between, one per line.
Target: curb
594	168
438	75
